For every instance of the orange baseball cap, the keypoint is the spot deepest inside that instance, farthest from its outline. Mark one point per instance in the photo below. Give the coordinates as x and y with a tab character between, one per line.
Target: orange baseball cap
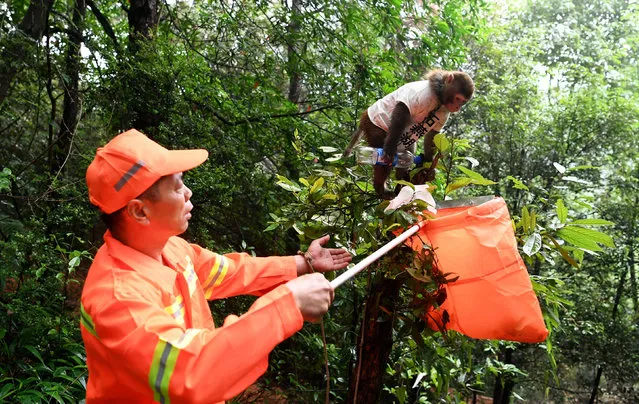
129	164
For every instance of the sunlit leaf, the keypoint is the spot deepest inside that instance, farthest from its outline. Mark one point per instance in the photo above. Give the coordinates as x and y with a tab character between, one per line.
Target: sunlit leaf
441	142
532	244
317	185
585	238
593	222
559	167
328	149
517	184
562	211
575	179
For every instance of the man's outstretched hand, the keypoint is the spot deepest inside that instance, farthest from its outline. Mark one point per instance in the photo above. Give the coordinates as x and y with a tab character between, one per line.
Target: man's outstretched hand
327	259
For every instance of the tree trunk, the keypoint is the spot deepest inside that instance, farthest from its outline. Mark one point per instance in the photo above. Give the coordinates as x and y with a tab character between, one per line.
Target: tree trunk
143	20
146	89
631	258
72	102
15	49
295	80
375	342
504	385
595	387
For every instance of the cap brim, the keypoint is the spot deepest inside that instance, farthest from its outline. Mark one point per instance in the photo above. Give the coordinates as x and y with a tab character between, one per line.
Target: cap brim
183	160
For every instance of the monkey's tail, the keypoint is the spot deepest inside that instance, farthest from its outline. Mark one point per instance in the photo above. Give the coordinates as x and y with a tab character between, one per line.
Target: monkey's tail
355	138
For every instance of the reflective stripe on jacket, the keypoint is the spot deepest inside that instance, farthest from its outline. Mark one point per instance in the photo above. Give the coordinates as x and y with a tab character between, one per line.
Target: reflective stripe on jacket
148	330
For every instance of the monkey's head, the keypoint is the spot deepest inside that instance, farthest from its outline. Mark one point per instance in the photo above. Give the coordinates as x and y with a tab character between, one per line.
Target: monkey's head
453	88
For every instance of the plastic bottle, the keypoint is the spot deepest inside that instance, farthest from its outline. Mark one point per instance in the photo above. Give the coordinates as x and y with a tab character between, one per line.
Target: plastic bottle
373	156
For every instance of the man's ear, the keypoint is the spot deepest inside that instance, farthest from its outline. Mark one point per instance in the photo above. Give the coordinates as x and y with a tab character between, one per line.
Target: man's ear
137	211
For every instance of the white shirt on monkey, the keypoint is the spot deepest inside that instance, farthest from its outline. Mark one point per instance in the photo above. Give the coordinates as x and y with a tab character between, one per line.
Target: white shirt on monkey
426	112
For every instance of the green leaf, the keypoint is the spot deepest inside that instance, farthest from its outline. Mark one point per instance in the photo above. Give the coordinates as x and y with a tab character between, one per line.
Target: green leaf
525	219
593	222
328	149
288	184
317	185
35	353
532	244
475	176
441	142
562	211
517	184
559	168
272	226
585	238
458	183
74	262
575	179
5	179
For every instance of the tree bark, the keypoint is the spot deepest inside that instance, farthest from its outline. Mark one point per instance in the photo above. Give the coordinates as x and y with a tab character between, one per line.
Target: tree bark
375	342
71	83
294	85
15	49
595	387
143	20
504	385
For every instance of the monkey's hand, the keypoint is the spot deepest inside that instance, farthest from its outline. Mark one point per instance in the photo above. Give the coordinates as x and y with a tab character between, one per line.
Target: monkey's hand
388	159
424	176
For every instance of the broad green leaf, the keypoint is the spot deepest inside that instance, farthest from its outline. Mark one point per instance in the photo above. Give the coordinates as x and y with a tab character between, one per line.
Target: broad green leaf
441	142
304	182
562	211
532	244
525	220
477	178
287	184
593	222
272	226
74	262
458	183
585	238
317	185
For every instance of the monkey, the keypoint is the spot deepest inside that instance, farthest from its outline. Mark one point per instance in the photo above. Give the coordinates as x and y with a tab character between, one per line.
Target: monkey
417	109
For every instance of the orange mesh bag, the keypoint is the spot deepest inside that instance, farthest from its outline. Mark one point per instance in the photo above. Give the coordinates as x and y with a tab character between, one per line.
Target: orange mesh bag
493	296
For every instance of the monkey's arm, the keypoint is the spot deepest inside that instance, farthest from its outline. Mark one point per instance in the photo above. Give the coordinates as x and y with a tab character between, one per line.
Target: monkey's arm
399	119
429	145
427	175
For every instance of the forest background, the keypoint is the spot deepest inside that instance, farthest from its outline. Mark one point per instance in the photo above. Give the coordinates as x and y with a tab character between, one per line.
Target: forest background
273	89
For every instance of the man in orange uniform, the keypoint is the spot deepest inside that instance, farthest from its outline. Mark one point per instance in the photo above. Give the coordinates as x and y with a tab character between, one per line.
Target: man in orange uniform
146	325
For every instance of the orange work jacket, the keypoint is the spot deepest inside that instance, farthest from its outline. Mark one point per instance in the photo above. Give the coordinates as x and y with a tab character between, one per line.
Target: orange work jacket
148	330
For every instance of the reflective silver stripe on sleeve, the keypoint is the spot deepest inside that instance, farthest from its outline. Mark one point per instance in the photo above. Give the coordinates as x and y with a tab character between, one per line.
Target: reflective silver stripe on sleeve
127	175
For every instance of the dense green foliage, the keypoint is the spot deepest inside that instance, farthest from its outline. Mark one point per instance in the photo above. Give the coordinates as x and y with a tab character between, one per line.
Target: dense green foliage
273	90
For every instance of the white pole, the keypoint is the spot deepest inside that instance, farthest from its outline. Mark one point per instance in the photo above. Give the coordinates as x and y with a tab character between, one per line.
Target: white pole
375	256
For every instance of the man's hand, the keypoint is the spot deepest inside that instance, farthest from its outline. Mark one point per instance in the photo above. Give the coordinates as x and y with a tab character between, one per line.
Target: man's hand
313	294
326	259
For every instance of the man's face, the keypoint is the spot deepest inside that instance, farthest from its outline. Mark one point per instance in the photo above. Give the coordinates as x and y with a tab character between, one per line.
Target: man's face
169	212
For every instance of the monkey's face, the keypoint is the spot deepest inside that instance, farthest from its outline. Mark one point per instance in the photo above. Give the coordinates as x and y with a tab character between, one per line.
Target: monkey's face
455	102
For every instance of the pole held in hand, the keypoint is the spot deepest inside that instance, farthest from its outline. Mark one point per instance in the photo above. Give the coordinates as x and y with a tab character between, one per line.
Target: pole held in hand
376	255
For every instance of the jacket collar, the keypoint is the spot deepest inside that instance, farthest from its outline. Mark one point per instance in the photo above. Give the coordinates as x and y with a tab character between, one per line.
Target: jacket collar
134	259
